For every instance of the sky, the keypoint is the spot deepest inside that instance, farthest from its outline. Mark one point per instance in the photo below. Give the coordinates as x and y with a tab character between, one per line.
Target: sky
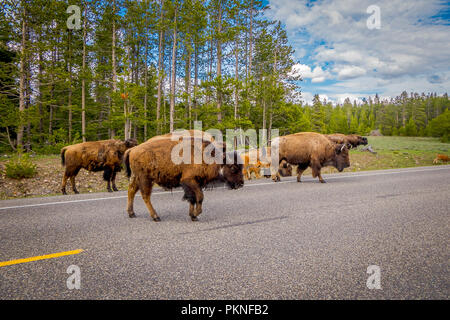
339	56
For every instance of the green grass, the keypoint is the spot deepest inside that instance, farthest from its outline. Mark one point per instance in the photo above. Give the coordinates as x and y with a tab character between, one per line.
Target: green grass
398	152
409	144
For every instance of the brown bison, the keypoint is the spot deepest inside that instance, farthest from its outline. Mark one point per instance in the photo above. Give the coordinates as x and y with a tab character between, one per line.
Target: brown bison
352	139
250	167
309	149
441	157
151	162
105	155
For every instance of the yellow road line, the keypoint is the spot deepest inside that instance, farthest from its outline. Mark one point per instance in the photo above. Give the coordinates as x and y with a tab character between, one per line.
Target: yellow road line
47	256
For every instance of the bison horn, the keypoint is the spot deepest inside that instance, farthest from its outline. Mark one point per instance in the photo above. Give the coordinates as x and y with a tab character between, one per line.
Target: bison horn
342	148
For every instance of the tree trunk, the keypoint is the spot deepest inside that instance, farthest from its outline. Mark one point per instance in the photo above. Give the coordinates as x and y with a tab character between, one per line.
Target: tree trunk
219	64
83	82
236	78
69	102
173	74
113	62
146	71
195	81
187	84
160	71
250	55
41	109
22	83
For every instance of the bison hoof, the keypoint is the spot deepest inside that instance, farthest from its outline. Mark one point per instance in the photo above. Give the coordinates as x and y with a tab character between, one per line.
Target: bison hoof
157	219
115	189
110	190
76	191
194	218
64	192
132	215
299	180
323	181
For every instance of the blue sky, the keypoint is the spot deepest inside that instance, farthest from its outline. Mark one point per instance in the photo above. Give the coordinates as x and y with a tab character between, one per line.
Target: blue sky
339	56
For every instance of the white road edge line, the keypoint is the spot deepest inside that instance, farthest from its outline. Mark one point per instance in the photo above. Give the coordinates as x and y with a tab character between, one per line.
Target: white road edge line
248	185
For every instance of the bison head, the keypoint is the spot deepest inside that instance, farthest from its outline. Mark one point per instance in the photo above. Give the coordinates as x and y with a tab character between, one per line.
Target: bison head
285	169
356	140
231	171
130	143
341	158
362	140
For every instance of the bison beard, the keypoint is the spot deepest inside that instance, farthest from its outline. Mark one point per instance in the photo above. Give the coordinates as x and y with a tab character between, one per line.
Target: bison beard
151	163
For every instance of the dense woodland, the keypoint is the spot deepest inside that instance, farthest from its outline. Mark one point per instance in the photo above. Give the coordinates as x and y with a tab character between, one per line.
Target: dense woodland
142	68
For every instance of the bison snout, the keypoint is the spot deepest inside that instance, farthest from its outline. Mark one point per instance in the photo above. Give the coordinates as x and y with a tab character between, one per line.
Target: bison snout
236	185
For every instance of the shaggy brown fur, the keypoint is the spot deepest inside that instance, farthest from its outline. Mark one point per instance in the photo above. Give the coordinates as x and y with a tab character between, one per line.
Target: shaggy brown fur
352	139
310	149
151	163
105	155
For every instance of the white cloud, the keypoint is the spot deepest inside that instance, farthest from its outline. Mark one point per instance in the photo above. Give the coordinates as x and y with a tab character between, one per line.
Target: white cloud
409	52
316	75
349	72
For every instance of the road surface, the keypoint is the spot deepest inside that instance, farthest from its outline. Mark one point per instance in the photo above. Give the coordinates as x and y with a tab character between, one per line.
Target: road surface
283	240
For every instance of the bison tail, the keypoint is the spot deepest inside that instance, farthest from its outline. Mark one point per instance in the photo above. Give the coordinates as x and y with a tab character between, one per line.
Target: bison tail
126	160
63	157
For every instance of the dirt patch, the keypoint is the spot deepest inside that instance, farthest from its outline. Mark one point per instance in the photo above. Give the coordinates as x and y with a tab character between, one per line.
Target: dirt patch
48	181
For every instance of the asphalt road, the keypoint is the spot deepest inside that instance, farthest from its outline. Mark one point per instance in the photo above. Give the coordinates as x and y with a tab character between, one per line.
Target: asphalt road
283	240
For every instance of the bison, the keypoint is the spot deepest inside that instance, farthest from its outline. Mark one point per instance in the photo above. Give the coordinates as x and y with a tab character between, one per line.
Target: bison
250	168
105	155
151	163
441	157
309	149
263	163
352	139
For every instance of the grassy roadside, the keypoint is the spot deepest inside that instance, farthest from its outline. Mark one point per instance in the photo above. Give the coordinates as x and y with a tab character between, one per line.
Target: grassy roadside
392	152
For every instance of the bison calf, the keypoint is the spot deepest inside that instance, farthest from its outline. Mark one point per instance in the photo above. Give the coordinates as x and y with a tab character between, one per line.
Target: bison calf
309	149
105	155
151	163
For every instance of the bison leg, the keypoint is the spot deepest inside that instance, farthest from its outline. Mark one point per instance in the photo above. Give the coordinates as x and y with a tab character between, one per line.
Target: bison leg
72	182
276	177
132	189
316	172
300	169
107	173
193	194
64	183
113	180
246	173
146	191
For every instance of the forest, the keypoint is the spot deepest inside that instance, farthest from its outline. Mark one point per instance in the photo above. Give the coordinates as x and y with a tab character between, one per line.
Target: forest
91	70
